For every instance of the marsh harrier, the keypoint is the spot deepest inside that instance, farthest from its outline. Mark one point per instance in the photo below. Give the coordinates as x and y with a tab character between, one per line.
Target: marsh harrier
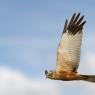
68	52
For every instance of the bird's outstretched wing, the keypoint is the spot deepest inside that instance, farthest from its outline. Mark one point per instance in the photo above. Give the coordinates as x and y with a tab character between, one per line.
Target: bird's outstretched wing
68	52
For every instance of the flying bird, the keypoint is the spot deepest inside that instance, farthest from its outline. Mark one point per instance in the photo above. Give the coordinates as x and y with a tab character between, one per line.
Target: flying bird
68	52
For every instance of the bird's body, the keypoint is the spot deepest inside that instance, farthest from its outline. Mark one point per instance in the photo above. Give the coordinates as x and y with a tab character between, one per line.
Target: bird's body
63	75
68	52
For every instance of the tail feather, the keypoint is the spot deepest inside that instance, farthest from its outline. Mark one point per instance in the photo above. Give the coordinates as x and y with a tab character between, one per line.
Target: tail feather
89	78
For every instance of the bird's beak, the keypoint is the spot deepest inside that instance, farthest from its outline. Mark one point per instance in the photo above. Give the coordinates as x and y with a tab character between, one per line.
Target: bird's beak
46	72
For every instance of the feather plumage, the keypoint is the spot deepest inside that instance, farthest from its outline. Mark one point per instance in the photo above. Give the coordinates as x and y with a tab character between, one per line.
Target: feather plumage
68	52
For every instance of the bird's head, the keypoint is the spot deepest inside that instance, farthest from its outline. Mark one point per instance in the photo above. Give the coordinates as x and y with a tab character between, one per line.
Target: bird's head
50	74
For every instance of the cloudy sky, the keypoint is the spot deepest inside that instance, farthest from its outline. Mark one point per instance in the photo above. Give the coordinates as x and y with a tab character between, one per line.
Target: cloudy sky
29	34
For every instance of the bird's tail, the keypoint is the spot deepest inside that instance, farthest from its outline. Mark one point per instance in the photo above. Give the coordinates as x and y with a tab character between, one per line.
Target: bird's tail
89	78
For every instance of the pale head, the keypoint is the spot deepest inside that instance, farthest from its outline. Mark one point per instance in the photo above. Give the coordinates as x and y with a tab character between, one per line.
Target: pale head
50	74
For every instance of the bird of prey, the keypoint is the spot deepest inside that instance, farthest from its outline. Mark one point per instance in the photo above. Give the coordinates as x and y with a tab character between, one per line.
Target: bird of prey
68	52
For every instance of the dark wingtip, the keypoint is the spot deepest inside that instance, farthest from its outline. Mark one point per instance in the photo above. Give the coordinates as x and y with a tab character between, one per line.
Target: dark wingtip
74	13
76	25
78	14
65	26
84	22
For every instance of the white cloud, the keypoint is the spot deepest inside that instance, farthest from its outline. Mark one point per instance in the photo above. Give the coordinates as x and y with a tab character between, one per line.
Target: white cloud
13	83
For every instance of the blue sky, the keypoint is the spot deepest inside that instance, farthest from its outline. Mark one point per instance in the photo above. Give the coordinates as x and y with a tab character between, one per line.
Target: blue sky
29	34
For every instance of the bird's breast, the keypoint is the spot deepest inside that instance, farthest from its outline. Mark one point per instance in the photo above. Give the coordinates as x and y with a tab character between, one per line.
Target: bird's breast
65	75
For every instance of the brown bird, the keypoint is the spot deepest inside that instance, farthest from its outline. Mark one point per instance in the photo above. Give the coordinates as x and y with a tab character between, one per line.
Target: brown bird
68	52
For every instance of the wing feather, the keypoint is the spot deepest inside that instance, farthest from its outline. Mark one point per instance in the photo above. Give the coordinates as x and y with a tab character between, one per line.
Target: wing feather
68	52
